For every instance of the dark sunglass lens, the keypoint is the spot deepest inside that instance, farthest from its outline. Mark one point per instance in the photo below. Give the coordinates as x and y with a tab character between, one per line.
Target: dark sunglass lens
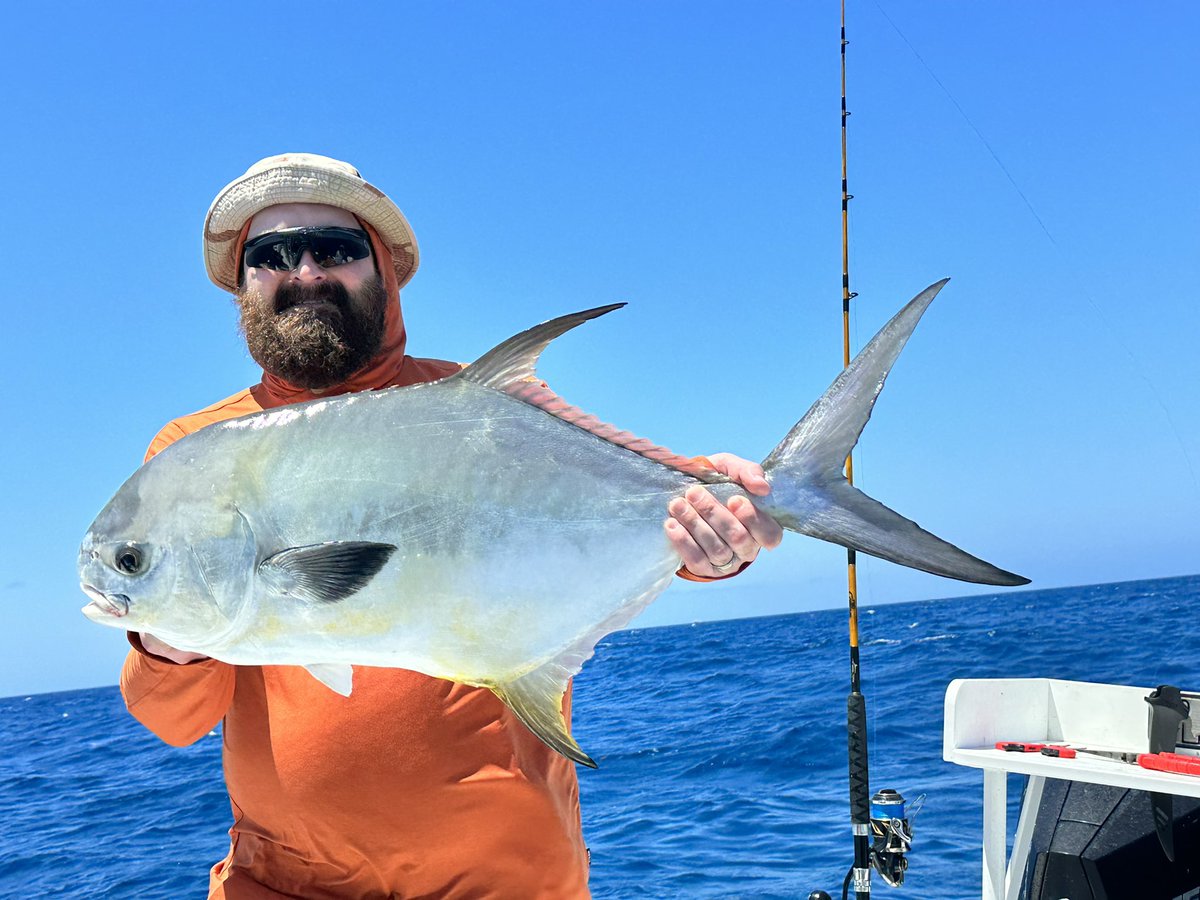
282	250
336	249
268	255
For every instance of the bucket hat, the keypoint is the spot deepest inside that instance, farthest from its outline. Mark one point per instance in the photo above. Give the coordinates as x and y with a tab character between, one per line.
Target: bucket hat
300	178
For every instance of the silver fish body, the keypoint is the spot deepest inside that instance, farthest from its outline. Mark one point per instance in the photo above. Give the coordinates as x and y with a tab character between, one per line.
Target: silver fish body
512	532
470	528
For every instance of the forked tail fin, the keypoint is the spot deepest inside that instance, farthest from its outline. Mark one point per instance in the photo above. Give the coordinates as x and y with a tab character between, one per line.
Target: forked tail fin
810	493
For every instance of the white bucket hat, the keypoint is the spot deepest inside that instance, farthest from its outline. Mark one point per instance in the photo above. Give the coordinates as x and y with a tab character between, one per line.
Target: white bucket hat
300	178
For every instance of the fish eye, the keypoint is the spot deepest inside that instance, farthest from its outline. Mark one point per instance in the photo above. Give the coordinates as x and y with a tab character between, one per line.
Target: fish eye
128	559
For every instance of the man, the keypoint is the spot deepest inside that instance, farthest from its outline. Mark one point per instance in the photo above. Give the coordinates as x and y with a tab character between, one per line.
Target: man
413	786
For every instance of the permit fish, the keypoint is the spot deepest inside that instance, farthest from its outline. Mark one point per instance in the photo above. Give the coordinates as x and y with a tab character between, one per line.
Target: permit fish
477	528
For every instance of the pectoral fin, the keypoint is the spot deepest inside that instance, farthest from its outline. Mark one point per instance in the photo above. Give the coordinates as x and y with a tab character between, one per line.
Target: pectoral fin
335	676
325	573
536	698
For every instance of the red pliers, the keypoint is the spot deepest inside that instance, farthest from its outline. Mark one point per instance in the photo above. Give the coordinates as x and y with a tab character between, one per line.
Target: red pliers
1179	763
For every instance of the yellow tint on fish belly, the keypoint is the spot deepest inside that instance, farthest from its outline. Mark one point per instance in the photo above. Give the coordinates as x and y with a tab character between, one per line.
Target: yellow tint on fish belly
271	627
361	622
485	644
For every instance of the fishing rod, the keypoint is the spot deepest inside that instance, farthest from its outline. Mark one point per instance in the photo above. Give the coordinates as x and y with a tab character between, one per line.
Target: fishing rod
881	816
856	703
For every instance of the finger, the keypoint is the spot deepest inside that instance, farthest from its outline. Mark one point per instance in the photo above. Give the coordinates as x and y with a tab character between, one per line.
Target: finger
764	529
755	481
156	647
748	474
695	559
728	531
693	556
693	519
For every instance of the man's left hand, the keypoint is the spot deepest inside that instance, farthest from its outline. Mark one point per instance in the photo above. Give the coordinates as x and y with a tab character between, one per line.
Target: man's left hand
715	539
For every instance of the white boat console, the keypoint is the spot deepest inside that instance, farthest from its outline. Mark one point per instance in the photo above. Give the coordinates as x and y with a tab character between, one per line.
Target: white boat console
981	712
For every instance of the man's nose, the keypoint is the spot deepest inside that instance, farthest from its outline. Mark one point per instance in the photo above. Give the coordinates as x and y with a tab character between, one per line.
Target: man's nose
307	270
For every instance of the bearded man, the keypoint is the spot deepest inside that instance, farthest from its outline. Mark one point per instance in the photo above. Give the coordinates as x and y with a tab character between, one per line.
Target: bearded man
412	786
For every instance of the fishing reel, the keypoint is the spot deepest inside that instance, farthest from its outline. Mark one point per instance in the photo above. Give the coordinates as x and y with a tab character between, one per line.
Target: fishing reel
892	834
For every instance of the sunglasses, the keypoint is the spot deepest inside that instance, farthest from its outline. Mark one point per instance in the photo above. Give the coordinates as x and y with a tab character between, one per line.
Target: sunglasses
330	246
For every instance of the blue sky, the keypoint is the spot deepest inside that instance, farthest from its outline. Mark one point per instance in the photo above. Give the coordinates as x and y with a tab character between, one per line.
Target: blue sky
682	157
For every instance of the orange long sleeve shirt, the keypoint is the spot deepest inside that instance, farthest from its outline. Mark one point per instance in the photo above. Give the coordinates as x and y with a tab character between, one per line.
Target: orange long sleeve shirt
412	787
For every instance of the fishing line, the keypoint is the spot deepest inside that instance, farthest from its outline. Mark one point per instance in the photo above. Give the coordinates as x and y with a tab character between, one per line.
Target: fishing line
979	134
1136	367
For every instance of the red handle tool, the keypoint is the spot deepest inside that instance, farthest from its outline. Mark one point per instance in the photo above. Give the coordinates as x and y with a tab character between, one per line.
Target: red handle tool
1170	762
1019	746
1060	752
1178	763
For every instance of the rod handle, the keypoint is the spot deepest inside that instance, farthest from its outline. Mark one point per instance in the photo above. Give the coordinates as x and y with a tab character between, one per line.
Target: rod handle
856	727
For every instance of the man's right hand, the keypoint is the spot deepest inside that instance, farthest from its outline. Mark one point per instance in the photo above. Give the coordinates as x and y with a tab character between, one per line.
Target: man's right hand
153	645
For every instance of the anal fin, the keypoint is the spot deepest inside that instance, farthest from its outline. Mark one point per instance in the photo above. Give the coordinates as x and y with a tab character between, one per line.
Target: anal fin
335	676
536	699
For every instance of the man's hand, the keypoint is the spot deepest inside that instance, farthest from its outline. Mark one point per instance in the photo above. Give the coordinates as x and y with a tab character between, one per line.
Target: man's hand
151	644
715	540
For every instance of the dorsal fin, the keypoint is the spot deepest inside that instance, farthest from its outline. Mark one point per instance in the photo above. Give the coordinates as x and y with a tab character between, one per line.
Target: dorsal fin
515	360
511	367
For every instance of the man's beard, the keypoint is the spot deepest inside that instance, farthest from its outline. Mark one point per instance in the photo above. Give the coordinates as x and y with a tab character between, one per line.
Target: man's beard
315	336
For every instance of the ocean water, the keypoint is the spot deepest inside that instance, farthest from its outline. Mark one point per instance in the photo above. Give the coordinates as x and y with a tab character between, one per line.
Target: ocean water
722	750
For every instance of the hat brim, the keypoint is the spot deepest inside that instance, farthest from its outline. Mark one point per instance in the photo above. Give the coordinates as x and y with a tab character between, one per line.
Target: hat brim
240	200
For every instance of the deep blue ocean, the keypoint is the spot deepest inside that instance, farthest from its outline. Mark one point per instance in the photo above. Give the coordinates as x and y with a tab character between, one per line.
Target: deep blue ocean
722	750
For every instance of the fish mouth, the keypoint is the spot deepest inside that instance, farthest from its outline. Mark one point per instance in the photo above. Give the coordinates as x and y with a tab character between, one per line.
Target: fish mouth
105	605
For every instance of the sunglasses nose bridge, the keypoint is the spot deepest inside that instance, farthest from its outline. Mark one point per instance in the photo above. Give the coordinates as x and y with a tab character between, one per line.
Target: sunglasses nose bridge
307	268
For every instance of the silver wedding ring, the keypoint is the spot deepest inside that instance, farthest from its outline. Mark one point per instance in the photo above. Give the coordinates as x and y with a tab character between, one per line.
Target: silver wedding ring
726	566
